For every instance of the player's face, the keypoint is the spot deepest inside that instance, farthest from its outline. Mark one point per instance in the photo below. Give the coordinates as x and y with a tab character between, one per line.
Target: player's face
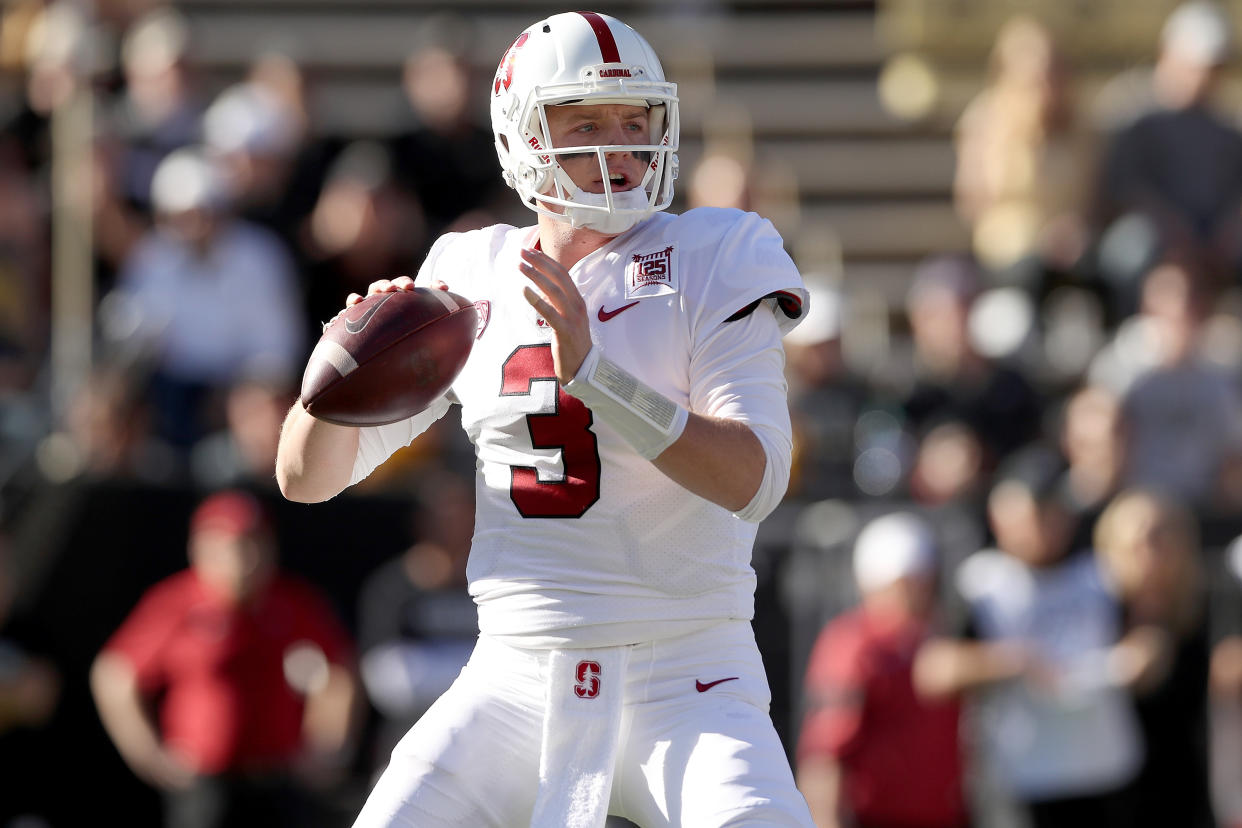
573	125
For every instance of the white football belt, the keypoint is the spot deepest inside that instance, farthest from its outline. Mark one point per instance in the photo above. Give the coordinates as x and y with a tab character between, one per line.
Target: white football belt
581	732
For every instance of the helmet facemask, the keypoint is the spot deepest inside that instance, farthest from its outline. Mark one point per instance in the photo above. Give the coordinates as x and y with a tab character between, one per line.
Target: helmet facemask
533	166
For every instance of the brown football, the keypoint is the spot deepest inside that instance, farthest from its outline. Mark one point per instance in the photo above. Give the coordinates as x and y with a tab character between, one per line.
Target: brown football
389	356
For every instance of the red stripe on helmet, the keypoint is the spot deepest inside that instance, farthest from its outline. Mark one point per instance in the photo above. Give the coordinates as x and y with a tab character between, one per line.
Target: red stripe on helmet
607	43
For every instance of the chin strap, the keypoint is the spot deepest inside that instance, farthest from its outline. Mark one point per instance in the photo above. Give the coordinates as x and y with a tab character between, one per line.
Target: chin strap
629	208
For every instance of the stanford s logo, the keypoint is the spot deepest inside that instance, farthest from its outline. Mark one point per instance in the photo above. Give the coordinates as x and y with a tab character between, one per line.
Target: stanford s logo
588	673
504	72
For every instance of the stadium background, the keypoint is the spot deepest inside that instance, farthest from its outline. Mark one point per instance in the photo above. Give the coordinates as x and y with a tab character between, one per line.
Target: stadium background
835	119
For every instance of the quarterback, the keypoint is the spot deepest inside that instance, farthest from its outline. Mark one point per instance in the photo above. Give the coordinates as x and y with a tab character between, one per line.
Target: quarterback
626	400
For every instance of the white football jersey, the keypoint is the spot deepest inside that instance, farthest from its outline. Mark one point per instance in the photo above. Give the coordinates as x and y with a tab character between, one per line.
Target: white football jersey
578	540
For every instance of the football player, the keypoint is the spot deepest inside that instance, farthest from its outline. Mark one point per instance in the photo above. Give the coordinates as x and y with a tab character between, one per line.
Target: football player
626	400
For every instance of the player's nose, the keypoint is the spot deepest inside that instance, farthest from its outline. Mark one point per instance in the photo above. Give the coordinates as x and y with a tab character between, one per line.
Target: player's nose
616	135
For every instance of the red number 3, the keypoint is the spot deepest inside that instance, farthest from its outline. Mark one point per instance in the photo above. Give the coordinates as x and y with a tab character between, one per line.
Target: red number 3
567	426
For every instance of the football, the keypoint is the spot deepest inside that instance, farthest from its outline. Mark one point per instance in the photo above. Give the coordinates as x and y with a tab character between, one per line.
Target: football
389	356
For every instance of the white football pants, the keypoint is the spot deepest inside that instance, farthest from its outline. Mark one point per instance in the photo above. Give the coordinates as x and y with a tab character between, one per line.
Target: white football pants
697	747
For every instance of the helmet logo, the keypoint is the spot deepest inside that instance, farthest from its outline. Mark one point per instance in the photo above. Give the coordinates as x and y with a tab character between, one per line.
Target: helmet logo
504	73
615	73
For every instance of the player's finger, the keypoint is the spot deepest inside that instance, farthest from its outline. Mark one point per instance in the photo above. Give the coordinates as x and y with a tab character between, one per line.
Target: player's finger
544	307
546	264
436	284
352	299
551	290
390	285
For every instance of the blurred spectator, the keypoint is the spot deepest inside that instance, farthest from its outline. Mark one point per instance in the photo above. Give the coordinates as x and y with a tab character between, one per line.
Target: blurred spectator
948	466
952	380
1093	441
1149	548
1022	162
243	453
825	398
1182	414
259	129
872	752
211	298
24	263
447	159
1038	635
1173	177
732	173
108	436
417	624
249	669
364	227
159	110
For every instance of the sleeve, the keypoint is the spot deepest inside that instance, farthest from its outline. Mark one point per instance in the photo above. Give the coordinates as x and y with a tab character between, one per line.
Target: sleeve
750	266
834	694
143	637
737	373
377	443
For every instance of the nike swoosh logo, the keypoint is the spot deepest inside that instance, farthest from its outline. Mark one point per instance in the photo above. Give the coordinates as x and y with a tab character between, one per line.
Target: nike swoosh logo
356	326
703	688
604	315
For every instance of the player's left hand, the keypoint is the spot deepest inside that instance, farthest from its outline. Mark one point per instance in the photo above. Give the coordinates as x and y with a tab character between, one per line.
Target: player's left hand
560	304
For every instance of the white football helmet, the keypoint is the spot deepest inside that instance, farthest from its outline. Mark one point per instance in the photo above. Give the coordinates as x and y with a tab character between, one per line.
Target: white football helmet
583	58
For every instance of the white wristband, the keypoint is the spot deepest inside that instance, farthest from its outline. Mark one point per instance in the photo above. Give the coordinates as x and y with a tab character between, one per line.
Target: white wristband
648	420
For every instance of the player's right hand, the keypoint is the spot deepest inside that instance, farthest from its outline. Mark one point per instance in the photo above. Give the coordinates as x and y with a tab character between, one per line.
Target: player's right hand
382	286
390	286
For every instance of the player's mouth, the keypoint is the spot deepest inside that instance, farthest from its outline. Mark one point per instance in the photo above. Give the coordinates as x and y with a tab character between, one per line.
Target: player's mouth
618	182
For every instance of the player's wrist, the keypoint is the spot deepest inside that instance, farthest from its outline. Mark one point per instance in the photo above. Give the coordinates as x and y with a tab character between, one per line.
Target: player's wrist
649	421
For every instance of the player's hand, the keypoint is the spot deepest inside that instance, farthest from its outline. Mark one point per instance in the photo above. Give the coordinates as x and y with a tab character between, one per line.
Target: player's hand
382	286
556	298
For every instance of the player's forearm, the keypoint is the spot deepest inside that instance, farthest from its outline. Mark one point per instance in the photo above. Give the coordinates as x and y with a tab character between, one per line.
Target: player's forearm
718	460
315	459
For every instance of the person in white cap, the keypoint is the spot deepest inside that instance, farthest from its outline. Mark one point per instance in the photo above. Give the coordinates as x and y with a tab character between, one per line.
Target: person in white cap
871	751
627	405
203	296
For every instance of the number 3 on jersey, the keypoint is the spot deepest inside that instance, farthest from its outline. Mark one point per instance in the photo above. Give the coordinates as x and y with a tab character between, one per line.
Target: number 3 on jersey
565	426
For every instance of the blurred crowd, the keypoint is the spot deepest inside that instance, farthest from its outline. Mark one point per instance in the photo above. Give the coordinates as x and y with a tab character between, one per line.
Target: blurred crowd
1004	589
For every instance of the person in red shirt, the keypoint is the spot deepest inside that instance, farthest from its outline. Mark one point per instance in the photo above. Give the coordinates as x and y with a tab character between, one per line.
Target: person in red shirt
230	686
872	753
